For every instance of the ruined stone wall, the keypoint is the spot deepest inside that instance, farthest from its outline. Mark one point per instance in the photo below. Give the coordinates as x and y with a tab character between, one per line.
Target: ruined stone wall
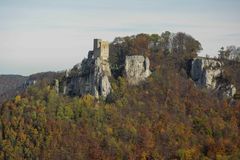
104	50
101	49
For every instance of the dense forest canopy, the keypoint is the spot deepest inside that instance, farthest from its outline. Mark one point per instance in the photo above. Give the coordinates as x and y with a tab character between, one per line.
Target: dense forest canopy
178	46
165	117
10	85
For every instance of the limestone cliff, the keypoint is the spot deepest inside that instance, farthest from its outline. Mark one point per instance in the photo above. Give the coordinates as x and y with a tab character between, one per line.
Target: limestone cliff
208	73
136	69
205	72
91	76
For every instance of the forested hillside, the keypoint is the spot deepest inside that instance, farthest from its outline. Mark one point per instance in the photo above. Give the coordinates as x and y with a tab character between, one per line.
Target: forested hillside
165	117
10	85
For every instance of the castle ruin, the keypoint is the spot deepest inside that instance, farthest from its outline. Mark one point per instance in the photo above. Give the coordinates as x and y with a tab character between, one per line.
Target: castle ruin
101	51
91	76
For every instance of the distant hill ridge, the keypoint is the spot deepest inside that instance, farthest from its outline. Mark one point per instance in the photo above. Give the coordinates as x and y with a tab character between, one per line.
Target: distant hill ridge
11	85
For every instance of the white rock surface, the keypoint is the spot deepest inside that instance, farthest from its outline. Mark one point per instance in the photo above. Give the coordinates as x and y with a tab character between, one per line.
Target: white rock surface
208	73
205	72
136	69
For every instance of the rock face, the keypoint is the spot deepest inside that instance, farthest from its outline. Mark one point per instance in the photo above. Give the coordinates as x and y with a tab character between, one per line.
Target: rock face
205	72
208	73
136	69
56	85
91	76
226	90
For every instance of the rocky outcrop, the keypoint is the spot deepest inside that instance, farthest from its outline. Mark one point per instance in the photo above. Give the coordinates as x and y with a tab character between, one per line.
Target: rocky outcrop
207	73
92	75
56	85
226	90
137	69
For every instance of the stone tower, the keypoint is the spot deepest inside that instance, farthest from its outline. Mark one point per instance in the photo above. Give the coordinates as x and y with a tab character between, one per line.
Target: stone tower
101	49
101	52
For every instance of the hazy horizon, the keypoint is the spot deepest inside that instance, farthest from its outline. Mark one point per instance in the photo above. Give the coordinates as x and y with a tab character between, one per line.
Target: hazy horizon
38	36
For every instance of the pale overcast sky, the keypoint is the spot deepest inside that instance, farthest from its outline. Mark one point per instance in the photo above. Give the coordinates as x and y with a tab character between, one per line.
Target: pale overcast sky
53	35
